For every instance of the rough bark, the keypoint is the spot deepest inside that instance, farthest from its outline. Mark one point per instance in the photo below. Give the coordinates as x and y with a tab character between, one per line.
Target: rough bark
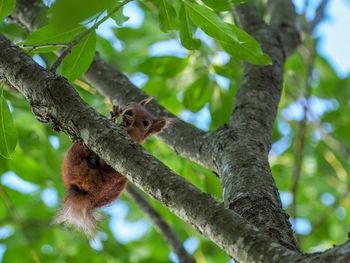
249	188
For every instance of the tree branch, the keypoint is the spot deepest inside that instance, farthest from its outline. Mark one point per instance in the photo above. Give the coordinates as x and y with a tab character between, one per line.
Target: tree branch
309	58
185	139
242	148
161	225
283	21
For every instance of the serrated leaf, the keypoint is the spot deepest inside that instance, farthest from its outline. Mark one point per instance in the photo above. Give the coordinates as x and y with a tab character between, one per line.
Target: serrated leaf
187	30
8	132
197	94
218	5
247	48
210	22
6	8
52	34
79	60
167	16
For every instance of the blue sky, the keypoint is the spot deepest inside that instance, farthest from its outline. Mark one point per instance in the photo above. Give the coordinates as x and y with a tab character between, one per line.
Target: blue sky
334	33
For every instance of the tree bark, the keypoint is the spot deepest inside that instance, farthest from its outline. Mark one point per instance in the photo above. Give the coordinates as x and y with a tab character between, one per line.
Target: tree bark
248	185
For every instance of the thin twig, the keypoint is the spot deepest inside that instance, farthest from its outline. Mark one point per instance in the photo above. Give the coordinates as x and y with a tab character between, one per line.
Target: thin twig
300	138
14	215
320	12
161	225
77	39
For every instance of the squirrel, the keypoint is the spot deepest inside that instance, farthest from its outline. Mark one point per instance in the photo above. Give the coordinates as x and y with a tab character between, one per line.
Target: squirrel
90	182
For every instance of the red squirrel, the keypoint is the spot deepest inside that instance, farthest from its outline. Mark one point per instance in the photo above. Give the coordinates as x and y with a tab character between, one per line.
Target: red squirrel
90	182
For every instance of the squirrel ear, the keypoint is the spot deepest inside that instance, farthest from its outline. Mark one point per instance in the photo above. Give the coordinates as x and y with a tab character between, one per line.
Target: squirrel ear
145	101
160	124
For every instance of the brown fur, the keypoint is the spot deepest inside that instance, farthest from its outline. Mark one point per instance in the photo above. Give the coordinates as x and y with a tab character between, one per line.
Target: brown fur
90	182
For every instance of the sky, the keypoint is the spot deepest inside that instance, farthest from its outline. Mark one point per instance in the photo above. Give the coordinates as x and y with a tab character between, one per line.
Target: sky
334	45
334	33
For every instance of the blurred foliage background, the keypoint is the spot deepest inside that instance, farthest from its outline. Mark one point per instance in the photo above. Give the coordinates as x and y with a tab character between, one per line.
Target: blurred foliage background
197	81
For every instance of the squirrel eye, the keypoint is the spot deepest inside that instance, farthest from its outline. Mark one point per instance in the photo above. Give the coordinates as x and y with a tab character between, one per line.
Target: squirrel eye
129	113
146	124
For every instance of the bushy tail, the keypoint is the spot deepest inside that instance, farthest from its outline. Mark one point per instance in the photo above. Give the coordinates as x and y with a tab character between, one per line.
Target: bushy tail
76	211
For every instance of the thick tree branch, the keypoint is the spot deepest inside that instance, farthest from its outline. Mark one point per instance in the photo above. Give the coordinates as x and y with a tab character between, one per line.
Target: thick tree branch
185	139
161	225
30	14
242	148
283	22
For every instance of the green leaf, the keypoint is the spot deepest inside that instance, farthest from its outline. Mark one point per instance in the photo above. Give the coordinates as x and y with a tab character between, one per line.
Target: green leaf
187	30
79	60
198	94
247	48
233	39
70	12
210	22
167	16
53	34
8	132
164	93
218	5
166	66
6	8
231	70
